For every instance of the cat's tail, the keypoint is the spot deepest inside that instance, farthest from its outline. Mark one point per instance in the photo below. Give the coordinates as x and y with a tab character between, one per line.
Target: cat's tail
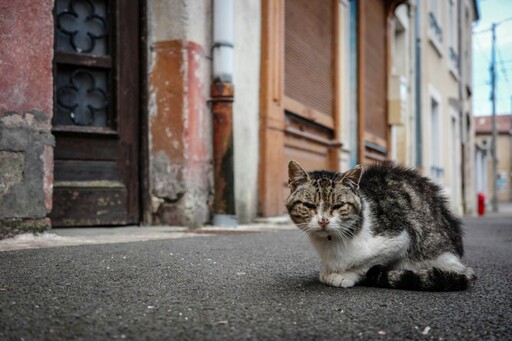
433	279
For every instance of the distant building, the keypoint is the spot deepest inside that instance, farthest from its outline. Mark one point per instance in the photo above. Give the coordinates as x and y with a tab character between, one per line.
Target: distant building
483	129
431	73
119	113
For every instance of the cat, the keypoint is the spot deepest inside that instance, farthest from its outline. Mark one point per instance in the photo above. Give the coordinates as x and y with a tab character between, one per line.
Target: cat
387	226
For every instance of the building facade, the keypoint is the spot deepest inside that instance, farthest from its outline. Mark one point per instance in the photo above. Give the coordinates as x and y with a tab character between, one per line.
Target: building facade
447	142
483	128
117	116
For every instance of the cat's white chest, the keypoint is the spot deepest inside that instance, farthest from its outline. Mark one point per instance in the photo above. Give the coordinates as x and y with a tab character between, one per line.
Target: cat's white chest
362	251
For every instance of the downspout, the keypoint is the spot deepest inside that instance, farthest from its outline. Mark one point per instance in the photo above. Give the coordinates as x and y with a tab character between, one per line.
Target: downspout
462	116
411	103
222	96
418	97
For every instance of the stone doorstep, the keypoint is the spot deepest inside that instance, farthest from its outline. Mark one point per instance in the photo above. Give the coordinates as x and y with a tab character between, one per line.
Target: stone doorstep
108	235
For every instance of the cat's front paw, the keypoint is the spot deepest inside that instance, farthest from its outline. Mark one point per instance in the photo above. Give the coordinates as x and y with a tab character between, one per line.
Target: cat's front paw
344	280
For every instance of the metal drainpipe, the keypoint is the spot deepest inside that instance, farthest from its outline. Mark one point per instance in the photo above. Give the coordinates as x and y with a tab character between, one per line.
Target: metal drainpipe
462	115
222	96
419	143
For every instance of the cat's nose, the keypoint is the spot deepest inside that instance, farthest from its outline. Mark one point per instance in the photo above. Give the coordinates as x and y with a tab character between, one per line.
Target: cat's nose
323	222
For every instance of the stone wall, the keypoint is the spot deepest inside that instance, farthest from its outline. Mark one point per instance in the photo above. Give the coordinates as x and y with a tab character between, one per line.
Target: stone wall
26	143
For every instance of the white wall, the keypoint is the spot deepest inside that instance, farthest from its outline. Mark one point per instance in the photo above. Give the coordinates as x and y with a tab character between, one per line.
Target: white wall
247	37
180	19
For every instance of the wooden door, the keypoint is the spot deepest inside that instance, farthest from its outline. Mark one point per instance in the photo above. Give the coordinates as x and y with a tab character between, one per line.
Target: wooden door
96	113
373	72
299	106
375	24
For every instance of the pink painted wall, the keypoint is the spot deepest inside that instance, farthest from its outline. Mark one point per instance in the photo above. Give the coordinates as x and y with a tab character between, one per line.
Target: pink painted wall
26	53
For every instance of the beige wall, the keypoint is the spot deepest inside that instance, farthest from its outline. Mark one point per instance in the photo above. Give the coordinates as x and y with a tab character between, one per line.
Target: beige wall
504	148
440	82
504	167
246	79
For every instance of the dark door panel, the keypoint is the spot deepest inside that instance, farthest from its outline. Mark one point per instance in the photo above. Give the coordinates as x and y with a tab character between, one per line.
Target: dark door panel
96	103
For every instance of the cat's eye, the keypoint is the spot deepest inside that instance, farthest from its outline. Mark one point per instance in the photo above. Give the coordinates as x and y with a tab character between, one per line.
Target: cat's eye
309	205
339	205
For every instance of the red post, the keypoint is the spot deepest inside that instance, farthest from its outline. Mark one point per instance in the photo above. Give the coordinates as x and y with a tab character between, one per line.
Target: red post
481	204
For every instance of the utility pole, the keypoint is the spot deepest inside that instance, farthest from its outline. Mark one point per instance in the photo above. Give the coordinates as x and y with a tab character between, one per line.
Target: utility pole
509	173
494	133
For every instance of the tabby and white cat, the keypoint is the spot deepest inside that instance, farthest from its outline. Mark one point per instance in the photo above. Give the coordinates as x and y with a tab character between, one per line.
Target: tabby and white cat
386	226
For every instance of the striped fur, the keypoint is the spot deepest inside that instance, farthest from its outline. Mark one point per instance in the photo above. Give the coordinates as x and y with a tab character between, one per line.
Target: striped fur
433	279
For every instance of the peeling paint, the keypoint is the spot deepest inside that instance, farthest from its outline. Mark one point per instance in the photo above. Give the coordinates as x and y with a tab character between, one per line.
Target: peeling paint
180	150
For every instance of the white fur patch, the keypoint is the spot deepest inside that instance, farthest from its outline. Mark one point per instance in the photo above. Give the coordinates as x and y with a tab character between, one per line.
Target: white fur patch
445	261
344	280
358	254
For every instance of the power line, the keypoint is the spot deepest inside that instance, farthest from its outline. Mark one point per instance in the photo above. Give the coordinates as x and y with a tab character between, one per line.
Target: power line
490	28
503	20
481	31
503	69
481	50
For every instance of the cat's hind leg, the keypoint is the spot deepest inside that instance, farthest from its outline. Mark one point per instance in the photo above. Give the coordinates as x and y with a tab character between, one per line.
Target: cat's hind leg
444	273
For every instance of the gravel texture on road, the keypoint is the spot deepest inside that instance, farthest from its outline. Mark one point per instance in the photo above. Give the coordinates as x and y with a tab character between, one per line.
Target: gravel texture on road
241	286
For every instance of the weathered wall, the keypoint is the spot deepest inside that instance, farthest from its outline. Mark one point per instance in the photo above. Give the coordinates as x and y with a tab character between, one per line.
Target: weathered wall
247	41
26	144
180	152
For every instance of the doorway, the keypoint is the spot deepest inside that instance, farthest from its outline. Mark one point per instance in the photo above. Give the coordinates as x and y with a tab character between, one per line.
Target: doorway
96	113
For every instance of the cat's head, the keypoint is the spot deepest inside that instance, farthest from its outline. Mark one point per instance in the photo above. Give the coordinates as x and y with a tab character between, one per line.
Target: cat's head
324	203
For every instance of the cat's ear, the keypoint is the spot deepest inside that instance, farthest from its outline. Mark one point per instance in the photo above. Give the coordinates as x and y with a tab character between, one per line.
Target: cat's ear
352	177
296	175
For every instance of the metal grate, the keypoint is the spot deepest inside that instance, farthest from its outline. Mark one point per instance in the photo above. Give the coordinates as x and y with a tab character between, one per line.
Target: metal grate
82	96
83	63
82	26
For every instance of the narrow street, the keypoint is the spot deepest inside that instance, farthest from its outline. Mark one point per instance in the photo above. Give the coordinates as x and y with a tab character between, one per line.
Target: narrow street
260	285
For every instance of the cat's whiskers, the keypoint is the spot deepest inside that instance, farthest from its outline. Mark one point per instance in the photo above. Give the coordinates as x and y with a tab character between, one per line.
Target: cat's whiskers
303	231
306	228
342	236
299	235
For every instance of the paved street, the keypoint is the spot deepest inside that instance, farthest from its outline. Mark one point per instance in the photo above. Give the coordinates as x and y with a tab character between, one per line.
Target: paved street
260	285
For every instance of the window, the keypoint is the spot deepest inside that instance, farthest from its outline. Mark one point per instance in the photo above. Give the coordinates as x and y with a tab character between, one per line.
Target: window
434	20
453	35
436	169
455	157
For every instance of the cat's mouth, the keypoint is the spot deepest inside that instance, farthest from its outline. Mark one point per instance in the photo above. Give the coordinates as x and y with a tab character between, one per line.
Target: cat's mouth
323	233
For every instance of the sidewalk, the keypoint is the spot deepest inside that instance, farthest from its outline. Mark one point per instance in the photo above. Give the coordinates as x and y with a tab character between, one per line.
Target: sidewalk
504	210
108	235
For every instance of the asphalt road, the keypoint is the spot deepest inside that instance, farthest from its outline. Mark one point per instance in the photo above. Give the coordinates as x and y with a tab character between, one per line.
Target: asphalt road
241	286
